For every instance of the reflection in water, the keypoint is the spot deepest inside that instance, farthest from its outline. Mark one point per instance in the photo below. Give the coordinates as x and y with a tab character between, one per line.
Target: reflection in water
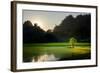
45	57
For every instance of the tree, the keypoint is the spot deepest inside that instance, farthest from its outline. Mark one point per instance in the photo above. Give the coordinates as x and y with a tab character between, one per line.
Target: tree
49	31
72	42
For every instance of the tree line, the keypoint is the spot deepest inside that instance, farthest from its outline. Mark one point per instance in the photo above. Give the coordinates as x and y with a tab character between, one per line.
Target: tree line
78	27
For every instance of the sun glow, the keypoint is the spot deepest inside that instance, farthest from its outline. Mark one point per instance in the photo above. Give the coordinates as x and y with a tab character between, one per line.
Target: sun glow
40	23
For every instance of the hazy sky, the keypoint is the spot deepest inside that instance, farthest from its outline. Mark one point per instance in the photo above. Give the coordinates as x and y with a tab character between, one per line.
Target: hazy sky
46	19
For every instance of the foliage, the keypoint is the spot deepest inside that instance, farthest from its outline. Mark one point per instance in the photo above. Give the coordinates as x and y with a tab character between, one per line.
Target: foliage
78	27
72	42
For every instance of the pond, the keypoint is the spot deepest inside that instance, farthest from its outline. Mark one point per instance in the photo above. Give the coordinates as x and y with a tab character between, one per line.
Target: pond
45	57
55	52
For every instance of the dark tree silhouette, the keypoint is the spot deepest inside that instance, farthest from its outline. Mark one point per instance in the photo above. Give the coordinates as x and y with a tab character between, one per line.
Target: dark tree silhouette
79	27
34	34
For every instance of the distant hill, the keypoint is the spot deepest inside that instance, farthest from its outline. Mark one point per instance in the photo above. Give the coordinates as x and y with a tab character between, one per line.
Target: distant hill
79	27
34	34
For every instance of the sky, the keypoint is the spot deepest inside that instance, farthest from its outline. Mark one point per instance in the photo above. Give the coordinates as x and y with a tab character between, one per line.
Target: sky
47	19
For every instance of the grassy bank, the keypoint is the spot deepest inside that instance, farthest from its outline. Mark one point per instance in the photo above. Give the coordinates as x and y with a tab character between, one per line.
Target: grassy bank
60	50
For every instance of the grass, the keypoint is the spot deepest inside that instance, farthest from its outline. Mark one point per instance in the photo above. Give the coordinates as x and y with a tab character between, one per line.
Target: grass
62	50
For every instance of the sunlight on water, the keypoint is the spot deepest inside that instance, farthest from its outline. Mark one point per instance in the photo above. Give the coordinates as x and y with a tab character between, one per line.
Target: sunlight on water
44	57
80	50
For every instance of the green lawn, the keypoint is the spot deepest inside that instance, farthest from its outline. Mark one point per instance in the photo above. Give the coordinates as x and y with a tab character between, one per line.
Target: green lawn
60	50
